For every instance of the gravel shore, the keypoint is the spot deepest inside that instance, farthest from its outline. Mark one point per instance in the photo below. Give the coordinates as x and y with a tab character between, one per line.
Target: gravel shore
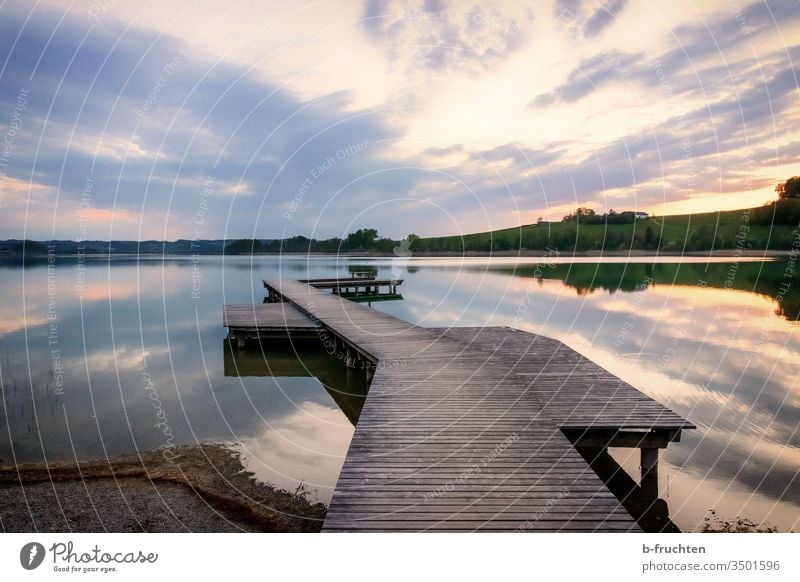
203	489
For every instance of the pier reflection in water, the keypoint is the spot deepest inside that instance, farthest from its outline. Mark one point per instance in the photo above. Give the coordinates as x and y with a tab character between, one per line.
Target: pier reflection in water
281	358
282	353
733	372
303	451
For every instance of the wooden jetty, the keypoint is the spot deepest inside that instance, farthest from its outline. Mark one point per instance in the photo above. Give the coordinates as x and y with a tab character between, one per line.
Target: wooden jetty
363	271
476	429
265	321
354	288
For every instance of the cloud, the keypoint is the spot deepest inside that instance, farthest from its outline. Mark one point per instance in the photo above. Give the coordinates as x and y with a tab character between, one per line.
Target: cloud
588	76
703	58
138	121
439	37
603	17
708	148
562	7
146	121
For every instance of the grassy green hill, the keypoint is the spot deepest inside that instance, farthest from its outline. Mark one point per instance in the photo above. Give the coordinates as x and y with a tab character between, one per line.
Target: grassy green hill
772	226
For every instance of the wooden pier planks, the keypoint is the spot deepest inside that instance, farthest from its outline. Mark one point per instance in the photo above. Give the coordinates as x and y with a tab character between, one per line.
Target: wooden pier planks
458	435
265	317
474	457
575	391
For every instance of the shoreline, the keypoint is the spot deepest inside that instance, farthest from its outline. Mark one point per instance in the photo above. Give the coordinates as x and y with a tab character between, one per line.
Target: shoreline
634	254
199	488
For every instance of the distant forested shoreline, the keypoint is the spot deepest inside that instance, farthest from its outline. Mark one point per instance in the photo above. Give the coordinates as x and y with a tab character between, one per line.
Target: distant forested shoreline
774	226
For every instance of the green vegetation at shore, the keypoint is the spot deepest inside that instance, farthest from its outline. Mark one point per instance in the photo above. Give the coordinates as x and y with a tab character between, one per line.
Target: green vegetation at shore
362	240
31	248
772	279
773	227
713	523
22	247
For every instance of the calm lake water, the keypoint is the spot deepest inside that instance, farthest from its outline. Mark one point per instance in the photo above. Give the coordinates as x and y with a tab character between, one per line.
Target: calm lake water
137	359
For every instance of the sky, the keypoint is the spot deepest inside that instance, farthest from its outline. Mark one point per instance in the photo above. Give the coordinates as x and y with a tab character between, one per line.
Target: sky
127	119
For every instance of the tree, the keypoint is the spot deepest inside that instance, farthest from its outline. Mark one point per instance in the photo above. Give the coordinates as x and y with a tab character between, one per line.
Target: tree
363	239
244	246
584	242
580	213
649	238
703	239
789	189
502	244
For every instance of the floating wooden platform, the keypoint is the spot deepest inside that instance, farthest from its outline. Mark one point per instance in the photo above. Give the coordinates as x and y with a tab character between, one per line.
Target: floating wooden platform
266	320
357	288
473	429
350	282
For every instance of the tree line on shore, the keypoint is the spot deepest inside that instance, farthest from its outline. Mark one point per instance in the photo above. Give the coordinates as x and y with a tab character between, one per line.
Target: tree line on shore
362	240
774	226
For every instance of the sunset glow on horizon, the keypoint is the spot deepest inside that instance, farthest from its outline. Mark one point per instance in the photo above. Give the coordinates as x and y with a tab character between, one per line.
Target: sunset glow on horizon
433	117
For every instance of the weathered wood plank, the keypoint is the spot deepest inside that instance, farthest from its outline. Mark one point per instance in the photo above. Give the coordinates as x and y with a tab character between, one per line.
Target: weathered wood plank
265	317
462	432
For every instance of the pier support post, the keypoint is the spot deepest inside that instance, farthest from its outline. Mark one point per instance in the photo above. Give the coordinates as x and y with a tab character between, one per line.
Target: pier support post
649	483
237	341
